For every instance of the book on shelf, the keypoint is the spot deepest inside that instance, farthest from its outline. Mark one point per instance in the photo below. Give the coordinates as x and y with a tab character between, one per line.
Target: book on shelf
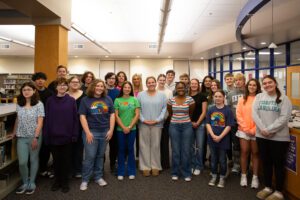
2	155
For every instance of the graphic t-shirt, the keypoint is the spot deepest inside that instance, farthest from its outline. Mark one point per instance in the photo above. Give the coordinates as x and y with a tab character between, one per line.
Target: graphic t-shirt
219	119
97	111
126	108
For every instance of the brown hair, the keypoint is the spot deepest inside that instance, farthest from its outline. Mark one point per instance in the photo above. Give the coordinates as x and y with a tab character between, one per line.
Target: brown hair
91	89
278	93
121	91
150	77
118	74
247	93
194	79
61	66
228	75
211	94
33	100
86	75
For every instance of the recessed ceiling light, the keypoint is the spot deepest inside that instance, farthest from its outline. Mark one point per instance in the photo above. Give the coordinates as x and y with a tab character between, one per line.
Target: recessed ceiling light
217	54
244	48
106	56
201	58
263	43
137	56
169	56
75	56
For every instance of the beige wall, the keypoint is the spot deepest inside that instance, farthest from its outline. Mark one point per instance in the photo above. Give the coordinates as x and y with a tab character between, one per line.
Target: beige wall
15	64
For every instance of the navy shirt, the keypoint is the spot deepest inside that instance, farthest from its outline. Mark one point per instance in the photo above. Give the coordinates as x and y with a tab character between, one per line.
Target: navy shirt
219	119
113	93
97	112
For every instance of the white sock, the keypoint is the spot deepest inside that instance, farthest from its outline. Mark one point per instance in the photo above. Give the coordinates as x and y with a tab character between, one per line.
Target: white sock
254	176
244	175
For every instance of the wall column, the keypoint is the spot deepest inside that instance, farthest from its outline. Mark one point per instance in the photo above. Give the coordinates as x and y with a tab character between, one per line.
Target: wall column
51	49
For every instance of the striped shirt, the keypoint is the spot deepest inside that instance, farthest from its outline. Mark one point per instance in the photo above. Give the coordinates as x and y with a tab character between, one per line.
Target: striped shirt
181	112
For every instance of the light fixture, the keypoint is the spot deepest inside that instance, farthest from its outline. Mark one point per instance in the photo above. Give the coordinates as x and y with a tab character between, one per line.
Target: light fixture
251	53
138	56
17	42
165	10
217	54
272	45
244	48
75	56
201	58
169	56
263	43
88	36
106	56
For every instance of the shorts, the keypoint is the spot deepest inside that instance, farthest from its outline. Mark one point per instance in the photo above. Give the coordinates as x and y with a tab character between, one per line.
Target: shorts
243	135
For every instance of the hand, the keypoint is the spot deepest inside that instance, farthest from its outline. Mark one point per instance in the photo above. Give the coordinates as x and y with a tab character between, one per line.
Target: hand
109	134
126	130
217	139
34	143
89	138
195	124
266	133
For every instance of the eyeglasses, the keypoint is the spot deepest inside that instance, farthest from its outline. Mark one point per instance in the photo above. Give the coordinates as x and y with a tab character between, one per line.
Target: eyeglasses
112	78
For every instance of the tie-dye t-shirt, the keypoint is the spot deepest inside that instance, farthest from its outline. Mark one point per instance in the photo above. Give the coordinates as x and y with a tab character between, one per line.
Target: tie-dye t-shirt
97	111
219	119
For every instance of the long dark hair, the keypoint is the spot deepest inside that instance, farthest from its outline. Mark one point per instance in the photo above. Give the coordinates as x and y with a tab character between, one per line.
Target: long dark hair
278	93
203	88
33	100
122	87
247	93
125	77
210	93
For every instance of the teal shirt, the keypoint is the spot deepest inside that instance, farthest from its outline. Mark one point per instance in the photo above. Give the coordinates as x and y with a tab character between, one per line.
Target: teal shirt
126	108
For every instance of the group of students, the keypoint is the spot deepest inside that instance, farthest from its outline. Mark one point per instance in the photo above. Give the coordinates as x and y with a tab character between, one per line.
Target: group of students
73	120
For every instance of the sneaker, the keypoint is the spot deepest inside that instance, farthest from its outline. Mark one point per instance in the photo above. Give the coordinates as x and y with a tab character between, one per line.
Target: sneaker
29	191
212	181
243	181
44	173
235	169
264	193
21	189
120	178
50	175
78	175
275	196
255	182
101	182
131	177
174	178
187	179
221	183
83	186
146	173
155	172
192	170
197	172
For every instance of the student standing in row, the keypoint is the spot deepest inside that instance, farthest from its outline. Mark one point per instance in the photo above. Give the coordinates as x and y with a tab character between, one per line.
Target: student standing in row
77	147
170	83
219	120
121	78
27	129
246	132
271	113
87	78
127	114
152	114
97	117
229	81
60	130
198	122
39	79
180	109
61	72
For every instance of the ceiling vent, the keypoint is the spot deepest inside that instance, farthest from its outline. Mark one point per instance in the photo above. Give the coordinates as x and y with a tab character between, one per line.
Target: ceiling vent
78	46
4	46
153	46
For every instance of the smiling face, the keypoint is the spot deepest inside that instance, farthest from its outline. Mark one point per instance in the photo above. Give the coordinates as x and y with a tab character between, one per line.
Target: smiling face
240	83
126	89
219	98
111	81
28	92
99	89
229	81
40	82
185	80
252	88
170	77
180	89
207	83
194	86
121	78
161	81
61	72
74	84
151	84
214	87
269	85
88	79
136	81
61	88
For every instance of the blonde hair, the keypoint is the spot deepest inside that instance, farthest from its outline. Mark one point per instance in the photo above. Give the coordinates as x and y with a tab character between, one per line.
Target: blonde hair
141	82
239	76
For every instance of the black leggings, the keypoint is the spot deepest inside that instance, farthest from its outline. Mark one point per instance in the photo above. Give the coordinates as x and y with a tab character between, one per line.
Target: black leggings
273	155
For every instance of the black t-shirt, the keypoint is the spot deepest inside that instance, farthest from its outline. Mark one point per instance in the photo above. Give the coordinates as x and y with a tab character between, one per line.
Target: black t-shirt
199	99
44	94
52	87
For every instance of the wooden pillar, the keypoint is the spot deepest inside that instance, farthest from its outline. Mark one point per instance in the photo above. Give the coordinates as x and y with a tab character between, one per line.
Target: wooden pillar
51	49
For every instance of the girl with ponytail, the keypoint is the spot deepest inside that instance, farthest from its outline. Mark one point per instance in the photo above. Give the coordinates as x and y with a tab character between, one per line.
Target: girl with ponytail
271	112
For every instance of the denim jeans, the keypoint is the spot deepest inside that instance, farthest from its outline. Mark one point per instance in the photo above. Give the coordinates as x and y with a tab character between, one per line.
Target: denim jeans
94	155
181	135
198	147
123	141
218	156
25	151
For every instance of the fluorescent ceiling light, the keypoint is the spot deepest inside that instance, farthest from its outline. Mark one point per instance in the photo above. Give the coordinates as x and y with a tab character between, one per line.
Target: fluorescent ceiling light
268	53
244	48
251	53
16	42
272	46
263	43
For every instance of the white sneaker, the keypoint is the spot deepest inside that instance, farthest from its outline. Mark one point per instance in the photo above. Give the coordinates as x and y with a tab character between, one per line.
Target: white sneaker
120	178
83	186
131	177
197	172
221	183
243	181
174	178
235	169
212	181
101	182
255	182
187	179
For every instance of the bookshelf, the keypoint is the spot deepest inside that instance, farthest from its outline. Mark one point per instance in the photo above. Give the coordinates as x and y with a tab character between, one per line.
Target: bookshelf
13	82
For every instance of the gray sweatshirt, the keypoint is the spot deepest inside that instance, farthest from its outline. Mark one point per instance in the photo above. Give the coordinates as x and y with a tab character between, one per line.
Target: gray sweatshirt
273	117
233	98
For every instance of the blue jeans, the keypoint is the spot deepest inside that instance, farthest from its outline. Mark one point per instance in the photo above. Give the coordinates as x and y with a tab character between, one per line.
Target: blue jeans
218	156
94	155
24	151
198	147
181	135
123	141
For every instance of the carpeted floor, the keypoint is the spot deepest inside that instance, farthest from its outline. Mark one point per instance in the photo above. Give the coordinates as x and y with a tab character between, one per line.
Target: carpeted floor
144	188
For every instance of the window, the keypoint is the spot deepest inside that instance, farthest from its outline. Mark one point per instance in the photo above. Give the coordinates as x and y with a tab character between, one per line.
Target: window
218	68
226	63
249	74
295	53
218	76
236	62
264	58
279	56
280	75
249	61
